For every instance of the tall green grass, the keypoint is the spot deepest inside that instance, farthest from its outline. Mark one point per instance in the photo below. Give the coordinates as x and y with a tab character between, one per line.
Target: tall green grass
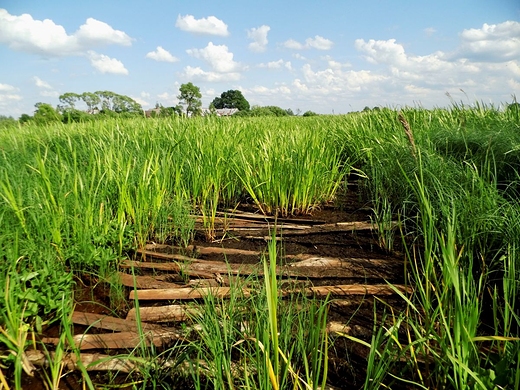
78	198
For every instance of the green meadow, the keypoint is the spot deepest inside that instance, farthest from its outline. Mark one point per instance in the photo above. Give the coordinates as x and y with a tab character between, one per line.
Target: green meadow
77	199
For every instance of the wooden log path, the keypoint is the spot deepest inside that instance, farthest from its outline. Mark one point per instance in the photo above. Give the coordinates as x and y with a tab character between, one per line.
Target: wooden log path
166	279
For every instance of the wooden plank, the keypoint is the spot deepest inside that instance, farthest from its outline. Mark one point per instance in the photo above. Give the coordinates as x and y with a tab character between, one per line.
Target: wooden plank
172	267
224	292
91	361
356	289
338	227
121	340
102	321
183	293
168	313
209	250
271	219
313	267
201	269
145	281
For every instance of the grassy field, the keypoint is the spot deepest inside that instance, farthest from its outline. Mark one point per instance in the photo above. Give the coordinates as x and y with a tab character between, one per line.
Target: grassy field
76	199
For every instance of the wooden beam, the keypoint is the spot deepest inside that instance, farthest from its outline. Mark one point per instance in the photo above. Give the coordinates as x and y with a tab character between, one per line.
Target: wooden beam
121	340
225	292
102	321
169	313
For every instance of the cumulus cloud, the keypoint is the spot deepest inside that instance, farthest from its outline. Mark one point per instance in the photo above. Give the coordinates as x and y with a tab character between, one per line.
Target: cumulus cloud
96	33
209	26
318	42
491	42
259	37
277	65
105	64
47	38
198	74
7	88
217	56
161	54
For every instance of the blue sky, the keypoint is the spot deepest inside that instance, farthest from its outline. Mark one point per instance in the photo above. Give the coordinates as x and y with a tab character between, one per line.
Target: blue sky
324	56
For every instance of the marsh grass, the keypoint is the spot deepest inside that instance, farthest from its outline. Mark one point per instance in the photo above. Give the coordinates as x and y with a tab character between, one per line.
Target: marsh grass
260	341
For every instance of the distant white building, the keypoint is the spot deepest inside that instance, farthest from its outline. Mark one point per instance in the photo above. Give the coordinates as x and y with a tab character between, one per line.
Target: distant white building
220	111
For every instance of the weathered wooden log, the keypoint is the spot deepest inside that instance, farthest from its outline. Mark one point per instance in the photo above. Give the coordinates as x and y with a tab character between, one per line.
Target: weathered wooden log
311	267
184	293
225	292
169	313
91	361
145	281
121	340
102	321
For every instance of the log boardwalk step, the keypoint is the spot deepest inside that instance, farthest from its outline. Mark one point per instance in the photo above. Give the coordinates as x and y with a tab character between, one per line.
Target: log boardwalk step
225	292
120	340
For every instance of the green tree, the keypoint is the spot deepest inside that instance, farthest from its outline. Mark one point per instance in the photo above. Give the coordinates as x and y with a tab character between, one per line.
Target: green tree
191	97
24	118
70	99
231	99
91	100
309	113
45	114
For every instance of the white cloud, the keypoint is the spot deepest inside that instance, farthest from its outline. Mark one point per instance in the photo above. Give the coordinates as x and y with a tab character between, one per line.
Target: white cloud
105	64
196	73
47	38
277	65
294	45
7	88
388	52
210	25
318	42
141	101
491	43
217	56
9	97
40	83
259	37
95	33
161	54
167	99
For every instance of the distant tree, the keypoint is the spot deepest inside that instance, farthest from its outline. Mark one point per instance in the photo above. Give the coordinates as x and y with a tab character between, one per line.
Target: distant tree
45	114
69	98
263	111
289	112
231	99
73	115
111	101
309	113
24	118
191	97
91	100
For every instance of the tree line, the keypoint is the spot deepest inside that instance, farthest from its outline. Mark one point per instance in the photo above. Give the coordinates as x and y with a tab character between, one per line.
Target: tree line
101	104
